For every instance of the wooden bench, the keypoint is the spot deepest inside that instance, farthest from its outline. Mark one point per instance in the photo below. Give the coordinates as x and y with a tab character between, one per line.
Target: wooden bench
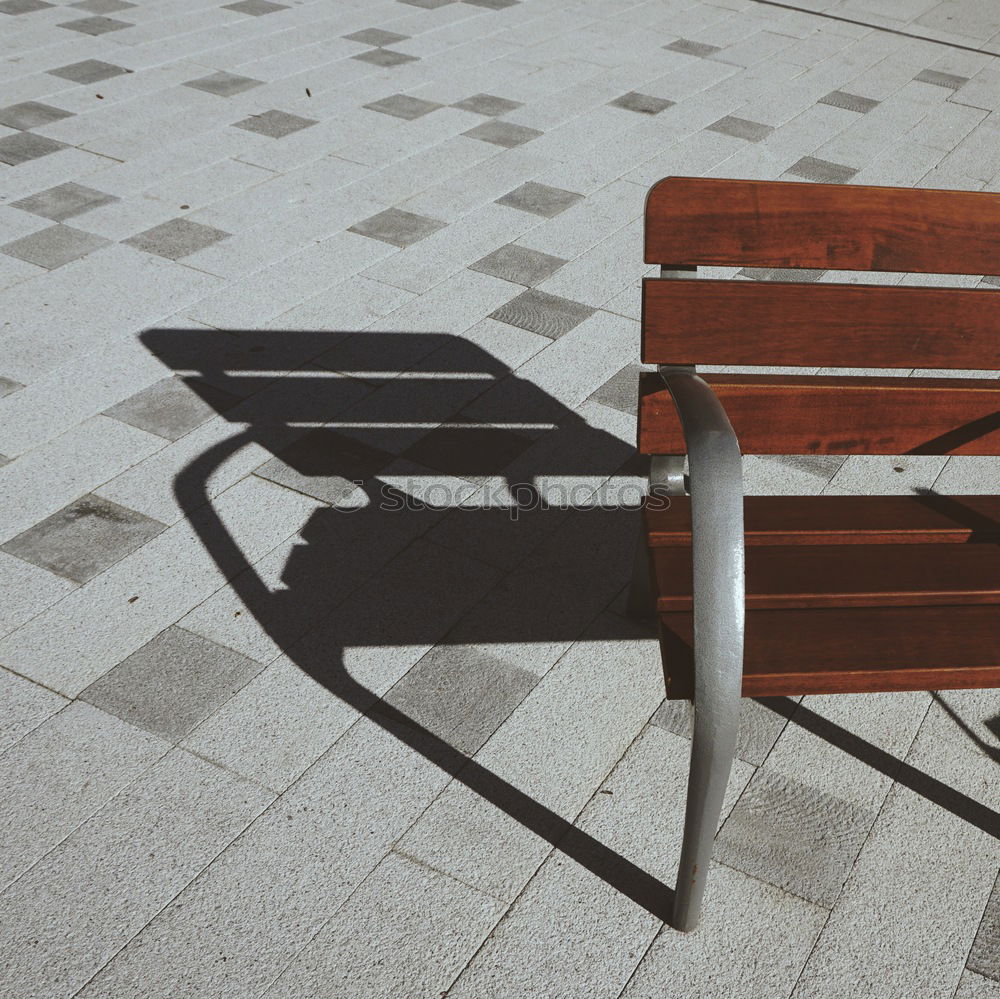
790	595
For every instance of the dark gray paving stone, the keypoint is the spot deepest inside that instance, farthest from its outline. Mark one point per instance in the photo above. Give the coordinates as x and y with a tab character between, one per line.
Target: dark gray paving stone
255	8
518	264
64	201
461	694
492	4
4	460
802	275
641	103
171	408
849	102
375	36
31	114
949	80
985	956
96	25
223	84
88	71
26	146
503	133
325	465
794	837
103	6
403	106
759	726
171	684
542	313
689	47
487	104
822	171
620	391
8	385
740	128
539	199
427	4
384	57
993	279
468	452
275	124
85	538
176	238
54	246
397	227
23	6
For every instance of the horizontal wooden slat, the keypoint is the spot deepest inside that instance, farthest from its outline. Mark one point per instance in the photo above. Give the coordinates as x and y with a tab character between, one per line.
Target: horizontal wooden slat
750	223
786	414
840	520
836	325
802	576
831	651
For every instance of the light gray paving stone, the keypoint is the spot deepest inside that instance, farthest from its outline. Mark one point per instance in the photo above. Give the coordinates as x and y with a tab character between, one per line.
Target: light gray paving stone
398	227
850	102
404	106
518	264
543	313
822	171
29	590
984	958
255	8
964	474
973	986
64	201
25	704
947	80
62	772
84	538
224	84
176	238
385	58
539	199
642	103
502	133
55	246
406	931
488	104
22	147
170	408
88	71
275	124
171	684
740	128
375	36
872	475
31	114
688	47
96	25
114	873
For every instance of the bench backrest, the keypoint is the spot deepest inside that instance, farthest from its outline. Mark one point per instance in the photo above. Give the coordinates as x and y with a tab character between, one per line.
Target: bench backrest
703	221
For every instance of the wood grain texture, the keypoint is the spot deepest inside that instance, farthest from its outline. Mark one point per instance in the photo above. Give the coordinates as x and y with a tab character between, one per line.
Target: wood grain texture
786	414
851	650
819	325
749	223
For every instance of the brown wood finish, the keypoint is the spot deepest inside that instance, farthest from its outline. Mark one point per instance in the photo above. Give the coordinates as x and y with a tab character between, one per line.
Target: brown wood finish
788	414
700	220
832	651
839	520
818	325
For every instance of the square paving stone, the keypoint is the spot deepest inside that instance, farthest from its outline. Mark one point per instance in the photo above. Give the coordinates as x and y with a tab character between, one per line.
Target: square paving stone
985	956
8	385
849	102
740	128
468	452
256	8
948	80
503	133
427	4
176	238
171	684
325	464
822	171
642	103
25	146
461	694
492	4
397	227
689	47
171	408
96	25
621	391
85	538
518	264
539	199
31	114
88	71
375	36
223	84
63	202
384	57
23	6
275	124
103	6
54	246
542	313
403	106
794	837
487	104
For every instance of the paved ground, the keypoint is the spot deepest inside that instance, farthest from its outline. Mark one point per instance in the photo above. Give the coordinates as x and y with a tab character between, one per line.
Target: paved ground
230	599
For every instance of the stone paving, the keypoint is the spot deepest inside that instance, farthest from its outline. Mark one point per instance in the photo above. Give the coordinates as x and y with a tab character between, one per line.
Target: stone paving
305	305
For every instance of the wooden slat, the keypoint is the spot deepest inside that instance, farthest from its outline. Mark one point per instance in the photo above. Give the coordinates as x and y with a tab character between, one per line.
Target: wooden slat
701	220
832	651
835	325
802	576
839	520
785	414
